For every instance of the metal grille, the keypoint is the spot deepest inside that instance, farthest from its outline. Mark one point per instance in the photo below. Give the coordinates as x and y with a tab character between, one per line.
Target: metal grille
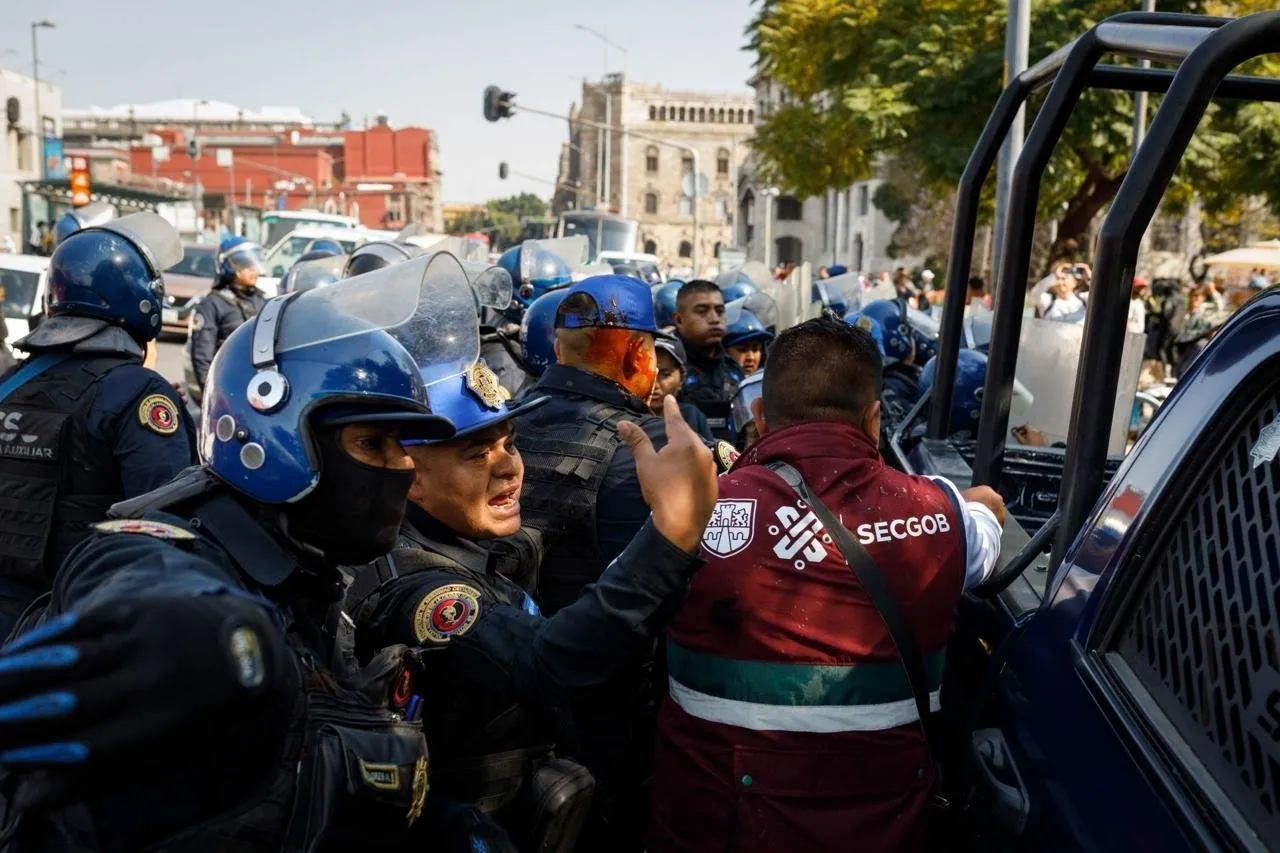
1204	632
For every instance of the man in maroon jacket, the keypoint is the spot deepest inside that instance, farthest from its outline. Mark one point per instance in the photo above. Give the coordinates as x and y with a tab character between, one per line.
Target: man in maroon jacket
790	723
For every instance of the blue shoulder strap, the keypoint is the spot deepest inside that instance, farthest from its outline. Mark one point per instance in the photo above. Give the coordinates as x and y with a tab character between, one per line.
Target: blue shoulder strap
33	368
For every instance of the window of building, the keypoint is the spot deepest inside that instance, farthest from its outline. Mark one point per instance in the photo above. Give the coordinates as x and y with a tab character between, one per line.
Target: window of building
651	159
731	114
686	206
789	209
788	250
662	113
864	200
747	216
722	161
702	113
653	112
686	249
722	208
650	247
24	152
716	250
721	119
856	259
751	116
686	165
682	114
650	202
742	116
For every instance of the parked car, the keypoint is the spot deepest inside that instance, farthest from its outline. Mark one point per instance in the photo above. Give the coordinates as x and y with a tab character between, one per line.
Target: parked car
186	282
22	282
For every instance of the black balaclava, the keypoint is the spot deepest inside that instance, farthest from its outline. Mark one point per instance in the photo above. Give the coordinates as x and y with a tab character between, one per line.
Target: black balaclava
353	515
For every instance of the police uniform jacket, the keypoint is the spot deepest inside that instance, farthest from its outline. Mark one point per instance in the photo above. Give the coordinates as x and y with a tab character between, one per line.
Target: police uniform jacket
223	310
349	773
93	429
789	722
711	381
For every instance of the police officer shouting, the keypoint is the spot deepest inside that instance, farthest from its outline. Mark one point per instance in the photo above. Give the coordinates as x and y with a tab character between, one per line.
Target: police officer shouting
491	738
233	301
82	423
713	374
184	671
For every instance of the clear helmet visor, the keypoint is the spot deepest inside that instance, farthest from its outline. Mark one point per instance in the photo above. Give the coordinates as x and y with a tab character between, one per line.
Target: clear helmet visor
572	250
317	272
492	284
426	304
749	391
247	256
761	305
95	214
155	238
392	253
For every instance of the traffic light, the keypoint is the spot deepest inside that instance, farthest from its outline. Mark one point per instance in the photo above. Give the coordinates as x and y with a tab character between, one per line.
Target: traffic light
502	171
193	148
497	103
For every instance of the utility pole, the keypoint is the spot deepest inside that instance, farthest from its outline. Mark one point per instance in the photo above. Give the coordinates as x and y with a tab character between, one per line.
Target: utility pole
1140	98
35	77
605	44
1017	40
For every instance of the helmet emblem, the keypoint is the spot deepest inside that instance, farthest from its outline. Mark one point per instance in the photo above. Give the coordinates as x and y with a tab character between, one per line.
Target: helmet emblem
483	382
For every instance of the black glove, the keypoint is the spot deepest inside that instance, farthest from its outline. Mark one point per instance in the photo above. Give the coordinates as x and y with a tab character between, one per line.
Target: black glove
156	678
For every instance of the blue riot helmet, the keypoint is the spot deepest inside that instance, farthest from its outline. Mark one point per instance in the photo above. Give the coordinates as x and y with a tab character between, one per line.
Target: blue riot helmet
869	325
96	213
378	255
836	269
750	318
236	254
925	330
735	284
357	351
740	414
538	331
329	247
966	399
312	270
899	342
108	275
534	271
664	301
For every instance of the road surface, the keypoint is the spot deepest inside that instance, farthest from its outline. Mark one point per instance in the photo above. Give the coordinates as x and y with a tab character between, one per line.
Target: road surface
169	360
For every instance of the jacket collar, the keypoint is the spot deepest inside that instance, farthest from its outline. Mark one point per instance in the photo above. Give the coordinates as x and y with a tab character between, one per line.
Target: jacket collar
811	440
575	380
701	357
433	535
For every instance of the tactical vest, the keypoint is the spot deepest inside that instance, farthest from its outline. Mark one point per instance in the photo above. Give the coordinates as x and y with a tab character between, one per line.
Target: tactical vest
565	465
503	765
54	484
352	774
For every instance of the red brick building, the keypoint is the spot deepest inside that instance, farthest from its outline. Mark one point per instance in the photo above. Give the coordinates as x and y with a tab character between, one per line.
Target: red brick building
279	158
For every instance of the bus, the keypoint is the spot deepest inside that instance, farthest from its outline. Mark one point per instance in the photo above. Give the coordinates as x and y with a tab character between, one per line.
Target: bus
277	223
605	232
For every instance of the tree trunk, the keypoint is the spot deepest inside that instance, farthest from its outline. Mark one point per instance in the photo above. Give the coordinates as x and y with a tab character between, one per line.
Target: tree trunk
1091	197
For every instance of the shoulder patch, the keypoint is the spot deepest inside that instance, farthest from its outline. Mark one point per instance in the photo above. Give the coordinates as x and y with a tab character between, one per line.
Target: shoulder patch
158	414
726	454
196	322
154	529
447	611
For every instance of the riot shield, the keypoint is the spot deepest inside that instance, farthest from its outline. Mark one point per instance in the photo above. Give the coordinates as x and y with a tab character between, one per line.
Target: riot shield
153	236
1048	360
762	305
492	284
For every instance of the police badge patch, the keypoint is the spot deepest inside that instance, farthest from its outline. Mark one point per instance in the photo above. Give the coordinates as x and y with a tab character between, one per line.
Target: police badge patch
158	414
420	788
483	382
449	611
731	528
726	454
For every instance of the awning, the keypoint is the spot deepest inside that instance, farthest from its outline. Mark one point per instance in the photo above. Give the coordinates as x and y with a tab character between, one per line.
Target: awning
1249	258
125	198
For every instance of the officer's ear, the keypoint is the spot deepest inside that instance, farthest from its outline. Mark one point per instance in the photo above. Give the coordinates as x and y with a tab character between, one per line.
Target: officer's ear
555	348
757	412
871	421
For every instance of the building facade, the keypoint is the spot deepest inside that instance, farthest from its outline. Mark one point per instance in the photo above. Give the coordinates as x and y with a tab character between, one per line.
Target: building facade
839	227
648	173
22	149
280	159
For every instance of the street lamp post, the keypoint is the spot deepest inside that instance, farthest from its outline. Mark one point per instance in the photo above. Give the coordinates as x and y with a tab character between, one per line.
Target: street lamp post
607	155
35	77
768	194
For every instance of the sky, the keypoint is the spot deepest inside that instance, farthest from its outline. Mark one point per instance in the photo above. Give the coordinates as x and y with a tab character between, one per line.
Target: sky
424	63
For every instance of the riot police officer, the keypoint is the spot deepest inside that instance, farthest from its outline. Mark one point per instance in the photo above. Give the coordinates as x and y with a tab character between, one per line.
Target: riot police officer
186	676
713	374
582	491
82	423
233	301
491	739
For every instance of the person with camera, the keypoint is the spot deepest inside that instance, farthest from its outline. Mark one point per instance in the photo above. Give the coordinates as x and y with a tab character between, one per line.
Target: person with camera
1065	299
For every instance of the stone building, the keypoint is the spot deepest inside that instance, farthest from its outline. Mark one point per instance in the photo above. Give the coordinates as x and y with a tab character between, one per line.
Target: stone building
645	178
839	227
22	150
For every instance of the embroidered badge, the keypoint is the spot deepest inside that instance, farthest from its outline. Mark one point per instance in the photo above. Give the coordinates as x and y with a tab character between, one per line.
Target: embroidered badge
385	777
483	382
420	788
448	611
197	321
154	529
726	454
158	414
246	651
731	527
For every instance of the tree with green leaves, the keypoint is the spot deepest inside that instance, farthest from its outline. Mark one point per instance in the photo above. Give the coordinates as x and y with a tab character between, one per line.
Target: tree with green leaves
500	219
914	80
